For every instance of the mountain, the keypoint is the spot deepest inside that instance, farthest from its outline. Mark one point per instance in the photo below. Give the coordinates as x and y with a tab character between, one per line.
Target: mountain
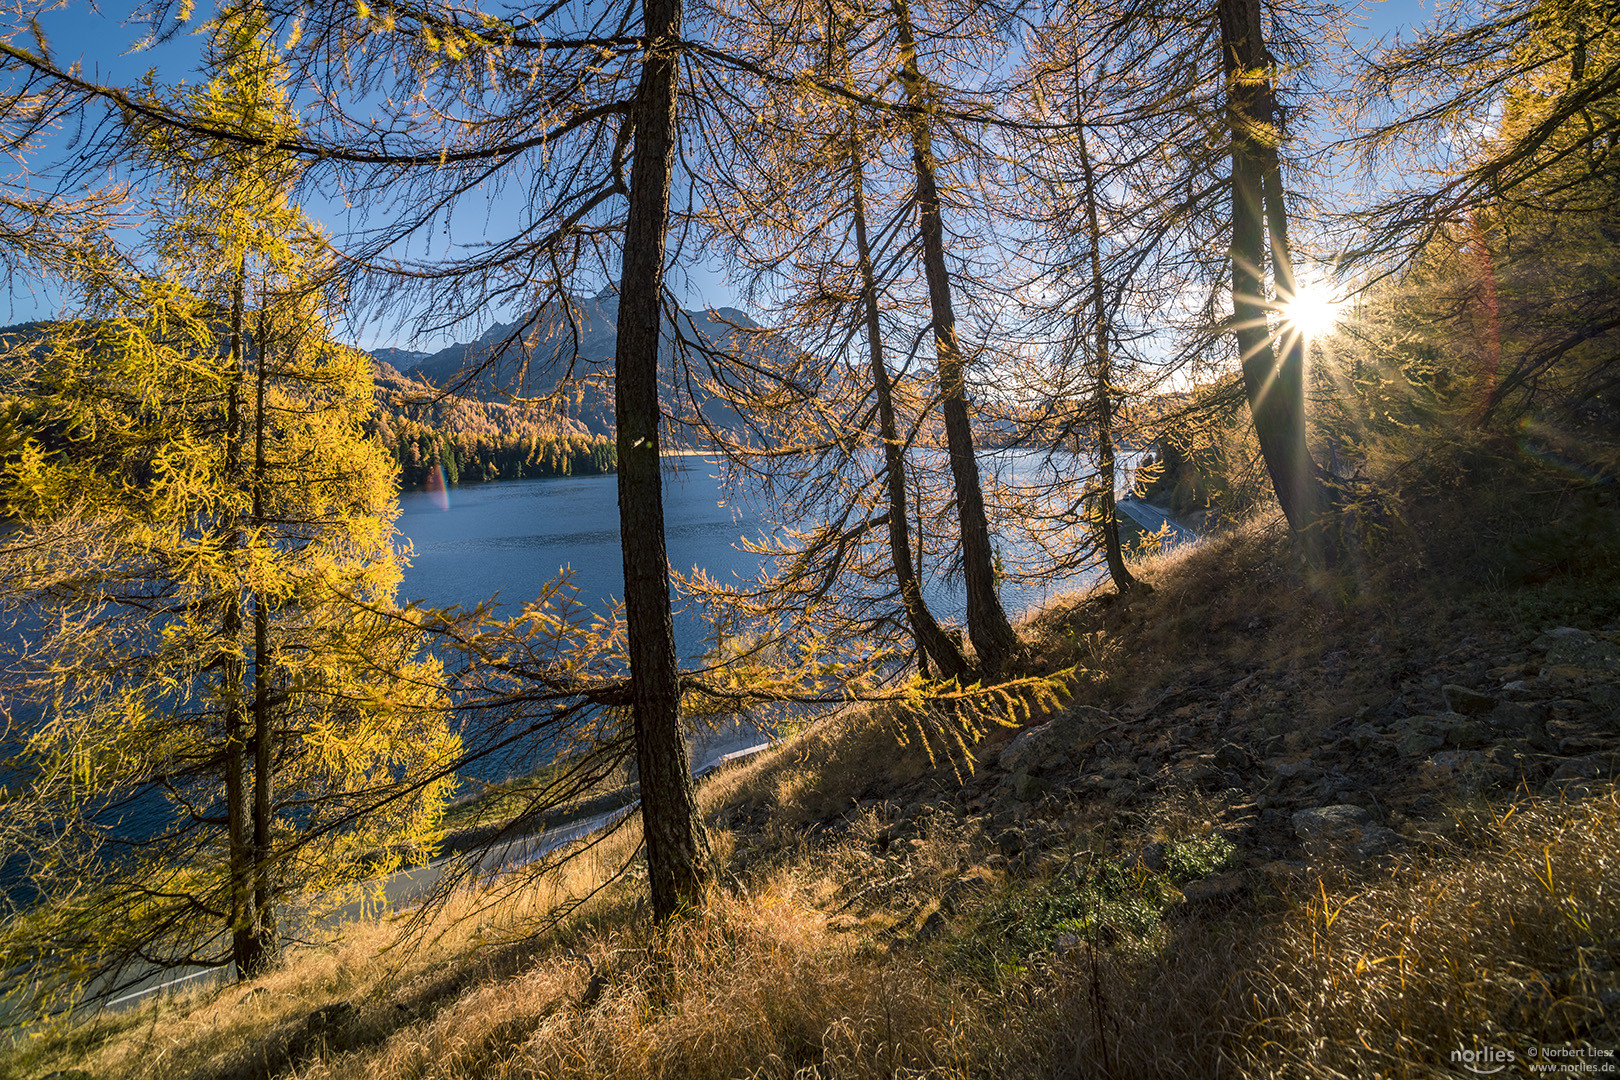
562	354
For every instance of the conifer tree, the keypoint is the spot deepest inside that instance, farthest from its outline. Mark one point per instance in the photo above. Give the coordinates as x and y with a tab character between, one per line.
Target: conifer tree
831	427
992	635
203	517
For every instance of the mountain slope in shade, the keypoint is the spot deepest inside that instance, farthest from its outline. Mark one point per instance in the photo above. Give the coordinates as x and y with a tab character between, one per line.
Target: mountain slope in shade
564	354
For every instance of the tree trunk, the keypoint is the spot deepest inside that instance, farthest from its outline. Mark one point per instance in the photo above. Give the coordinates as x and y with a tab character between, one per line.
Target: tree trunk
932	642
233	672
1275	388
267	942
677	845
1103	402
992	635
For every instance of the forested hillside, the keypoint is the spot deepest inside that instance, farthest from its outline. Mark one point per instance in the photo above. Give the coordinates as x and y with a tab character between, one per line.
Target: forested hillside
560	356
468	440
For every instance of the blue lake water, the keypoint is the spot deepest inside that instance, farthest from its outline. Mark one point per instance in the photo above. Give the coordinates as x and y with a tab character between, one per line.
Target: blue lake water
511	537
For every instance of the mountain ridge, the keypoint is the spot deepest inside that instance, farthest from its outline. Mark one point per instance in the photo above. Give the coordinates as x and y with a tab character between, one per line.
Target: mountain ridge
563	356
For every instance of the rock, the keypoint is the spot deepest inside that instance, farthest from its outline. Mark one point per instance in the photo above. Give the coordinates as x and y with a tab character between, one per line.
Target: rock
1467	769
1462	734
1285	870
1460	699
325	1027
1027	788
1558	635
1058	735
1567	646
1304	771
1346	828
1151	858
1331	822
1458	760
1417	736
1605	698
1585	768
932	926
961	890
329	1018
1217	888
1232	756
1570	790
1513	716
1558	679
1363	736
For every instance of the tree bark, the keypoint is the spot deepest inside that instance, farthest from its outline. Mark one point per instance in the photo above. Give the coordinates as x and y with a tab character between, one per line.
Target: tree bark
1275	387
1103	402
267	942
677	844
992	635
233	673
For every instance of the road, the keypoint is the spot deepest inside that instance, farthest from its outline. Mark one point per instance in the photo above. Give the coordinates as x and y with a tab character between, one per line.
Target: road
1152	519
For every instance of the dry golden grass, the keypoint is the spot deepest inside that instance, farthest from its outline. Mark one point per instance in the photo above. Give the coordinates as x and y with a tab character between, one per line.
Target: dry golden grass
1513	945
1506	939
830	766
1506	934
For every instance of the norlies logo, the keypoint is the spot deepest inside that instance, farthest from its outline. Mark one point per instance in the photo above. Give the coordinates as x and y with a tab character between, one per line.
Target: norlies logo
1485	1061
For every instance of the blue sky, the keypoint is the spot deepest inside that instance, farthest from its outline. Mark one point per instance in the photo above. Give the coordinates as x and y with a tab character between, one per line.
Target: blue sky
102	45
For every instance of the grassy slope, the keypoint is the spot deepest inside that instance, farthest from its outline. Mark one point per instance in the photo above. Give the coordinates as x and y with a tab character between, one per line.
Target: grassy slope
1124	893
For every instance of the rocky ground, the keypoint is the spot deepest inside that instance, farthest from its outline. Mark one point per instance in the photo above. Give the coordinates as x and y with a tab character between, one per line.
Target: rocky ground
1371	770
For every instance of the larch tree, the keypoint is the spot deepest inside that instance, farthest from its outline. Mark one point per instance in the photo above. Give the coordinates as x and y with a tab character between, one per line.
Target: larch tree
1509	111
576	111
1199	182
204	562
829	425
1259	240
993	638
1085	264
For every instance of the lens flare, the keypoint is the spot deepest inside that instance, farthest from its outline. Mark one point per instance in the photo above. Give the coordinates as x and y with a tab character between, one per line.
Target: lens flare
1313	311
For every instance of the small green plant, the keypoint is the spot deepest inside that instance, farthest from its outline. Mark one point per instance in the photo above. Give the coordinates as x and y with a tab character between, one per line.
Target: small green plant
1104	903
1199	858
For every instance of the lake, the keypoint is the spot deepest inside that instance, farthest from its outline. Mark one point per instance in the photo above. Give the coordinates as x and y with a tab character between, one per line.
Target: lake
512	536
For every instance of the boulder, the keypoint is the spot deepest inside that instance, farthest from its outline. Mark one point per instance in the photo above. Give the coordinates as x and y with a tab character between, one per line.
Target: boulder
1583	768
1150	858
1217	889
1027	788
1232	756
330	1018
1363	736
1514	716
1057	736
1462	734
1331	823
1419	736
1460	699
1344	828
1568	647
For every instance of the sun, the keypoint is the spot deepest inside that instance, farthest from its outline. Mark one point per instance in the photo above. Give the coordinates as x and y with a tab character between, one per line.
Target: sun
1313	311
